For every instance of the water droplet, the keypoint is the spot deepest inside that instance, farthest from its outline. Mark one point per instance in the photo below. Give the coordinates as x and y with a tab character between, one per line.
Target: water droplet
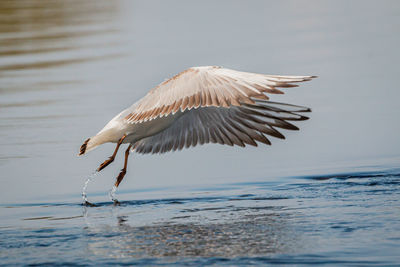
112	193
90	177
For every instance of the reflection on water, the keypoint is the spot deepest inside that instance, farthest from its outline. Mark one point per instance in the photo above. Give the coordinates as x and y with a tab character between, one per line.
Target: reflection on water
231	226
41	31
249	236
38	37
349	219
46	50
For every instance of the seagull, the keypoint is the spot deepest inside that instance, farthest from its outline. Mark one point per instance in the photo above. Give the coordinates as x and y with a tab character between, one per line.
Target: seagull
200	105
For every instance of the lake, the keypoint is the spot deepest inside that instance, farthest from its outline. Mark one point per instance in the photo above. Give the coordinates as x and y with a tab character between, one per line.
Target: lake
328	194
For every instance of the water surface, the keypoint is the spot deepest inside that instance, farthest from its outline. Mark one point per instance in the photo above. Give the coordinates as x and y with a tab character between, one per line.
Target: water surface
350	219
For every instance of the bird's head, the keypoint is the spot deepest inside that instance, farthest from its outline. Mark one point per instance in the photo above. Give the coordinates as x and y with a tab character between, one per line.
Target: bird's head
104	136
90	144
83	148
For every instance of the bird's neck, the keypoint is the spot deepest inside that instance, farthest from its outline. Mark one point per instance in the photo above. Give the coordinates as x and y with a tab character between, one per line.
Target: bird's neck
101	138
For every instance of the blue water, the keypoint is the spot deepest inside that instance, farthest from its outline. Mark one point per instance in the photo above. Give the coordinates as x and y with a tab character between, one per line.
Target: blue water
336	219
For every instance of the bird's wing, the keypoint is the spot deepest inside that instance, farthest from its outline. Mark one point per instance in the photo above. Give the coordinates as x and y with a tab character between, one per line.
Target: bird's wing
205	87
237	125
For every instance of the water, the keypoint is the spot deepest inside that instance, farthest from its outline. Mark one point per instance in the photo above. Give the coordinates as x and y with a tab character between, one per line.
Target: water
88	180
350	219
328	194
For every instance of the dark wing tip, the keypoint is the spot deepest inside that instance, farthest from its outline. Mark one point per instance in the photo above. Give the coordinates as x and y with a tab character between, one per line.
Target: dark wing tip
82	150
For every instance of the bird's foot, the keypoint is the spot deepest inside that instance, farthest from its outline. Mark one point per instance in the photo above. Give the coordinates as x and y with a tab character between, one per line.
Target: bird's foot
120	176
105	163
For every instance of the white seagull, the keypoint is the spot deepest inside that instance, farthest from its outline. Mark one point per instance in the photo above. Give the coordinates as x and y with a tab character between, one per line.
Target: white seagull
201	105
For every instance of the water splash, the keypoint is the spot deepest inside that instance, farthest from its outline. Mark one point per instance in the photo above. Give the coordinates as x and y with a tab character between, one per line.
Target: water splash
112	194
90	177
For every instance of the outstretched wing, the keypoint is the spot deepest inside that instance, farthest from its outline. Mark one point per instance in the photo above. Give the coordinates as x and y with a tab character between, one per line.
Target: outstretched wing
206	87
236	125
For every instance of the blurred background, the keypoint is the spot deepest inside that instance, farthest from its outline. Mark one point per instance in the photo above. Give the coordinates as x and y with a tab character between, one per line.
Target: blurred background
68	67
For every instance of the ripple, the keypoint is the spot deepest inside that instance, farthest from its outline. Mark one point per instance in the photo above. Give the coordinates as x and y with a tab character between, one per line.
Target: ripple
335	218
355	175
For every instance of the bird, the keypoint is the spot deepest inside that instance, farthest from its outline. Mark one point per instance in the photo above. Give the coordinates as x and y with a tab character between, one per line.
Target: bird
200	105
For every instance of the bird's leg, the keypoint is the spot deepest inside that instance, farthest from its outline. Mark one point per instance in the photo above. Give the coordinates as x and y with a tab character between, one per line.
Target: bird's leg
111	159
120	175
123	171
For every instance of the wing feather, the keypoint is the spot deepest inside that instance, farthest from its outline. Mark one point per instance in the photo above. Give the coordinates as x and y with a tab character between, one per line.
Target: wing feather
200	87
236	125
